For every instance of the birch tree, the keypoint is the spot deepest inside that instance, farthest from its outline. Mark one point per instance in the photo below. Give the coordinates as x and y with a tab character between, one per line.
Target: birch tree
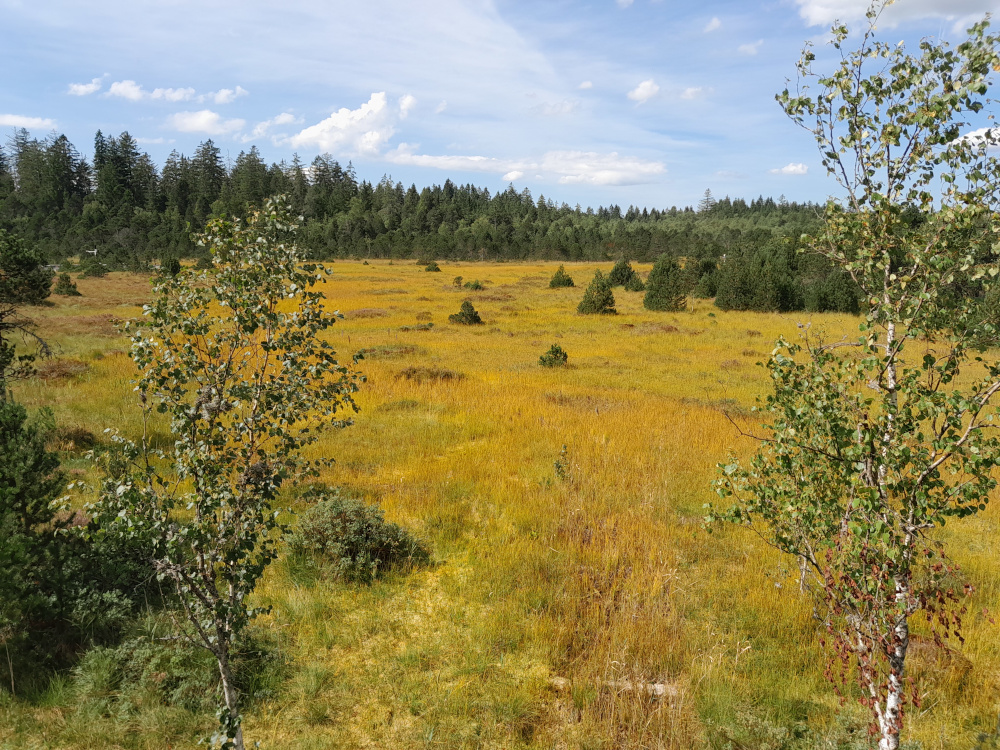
234	356
873	443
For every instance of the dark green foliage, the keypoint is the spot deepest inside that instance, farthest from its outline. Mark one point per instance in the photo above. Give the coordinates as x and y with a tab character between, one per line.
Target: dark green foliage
24	279
65	286
760	279
475	285
344	538
622	273
457	281
172	266
433	267
706	280
204	263
560	278
598	299
665	286
635	284
468	316
556	356
93	269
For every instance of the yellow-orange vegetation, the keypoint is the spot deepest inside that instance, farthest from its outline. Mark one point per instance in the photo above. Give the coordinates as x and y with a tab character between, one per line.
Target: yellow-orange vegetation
604	577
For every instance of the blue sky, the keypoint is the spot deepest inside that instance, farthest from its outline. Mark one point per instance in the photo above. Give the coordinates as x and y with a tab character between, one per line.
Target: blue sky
645	102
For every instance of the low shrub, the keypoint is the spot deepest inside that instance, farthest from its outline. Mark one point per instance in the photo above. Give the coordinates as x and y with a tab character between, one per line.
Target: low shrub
347	539
457	281
474	285
468	316
422	374
433	267
560	279
556	356
171	266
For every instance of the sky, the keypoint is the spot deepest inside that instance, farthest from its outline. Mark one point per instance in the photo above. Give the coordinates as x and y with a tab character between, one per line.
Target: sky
627	102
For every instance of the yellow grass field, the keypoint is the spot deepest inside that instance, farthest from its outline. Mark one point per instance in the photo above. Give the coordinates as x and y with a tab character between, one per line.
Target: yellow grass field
604	578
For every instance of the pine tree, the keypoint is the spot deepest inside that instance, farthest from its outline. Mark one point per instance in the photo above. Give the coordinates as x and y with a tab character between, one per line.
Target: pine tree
665	286
560	279
598	298
622	273
468	315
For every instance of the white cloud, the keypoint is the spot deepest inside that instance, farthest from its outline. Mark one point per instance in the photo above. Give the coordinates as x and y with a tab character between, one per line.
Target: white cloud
644	91
567	167
263	128
693	92
204	121
172	95
624	3
750	49
514	175
557	108
84	89
126	90
713	24
406	103
441	107
20	121
224	96
154	141
591	168
794	168
990	136
586	85
825	12
362	130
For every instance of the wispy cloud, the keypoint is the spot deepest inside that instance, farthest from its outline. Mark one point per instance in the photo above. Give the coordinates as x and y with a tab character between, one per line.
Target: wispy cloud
694	92
224	96
825	12
265	127
794	168
441	107
712	25
129	89
751	48
85	89
624	3
22	121
204	121
644	91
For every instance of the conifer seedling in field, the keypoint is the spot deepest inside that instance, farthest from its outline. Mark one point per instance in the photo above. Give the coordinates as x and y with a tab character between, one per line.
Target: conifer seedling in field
560	279
598	299
665	286
467	316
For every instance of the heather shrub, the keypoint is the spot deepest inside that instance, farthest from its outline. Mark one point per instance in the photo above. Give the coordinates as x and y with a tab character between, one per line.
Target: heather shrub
341	537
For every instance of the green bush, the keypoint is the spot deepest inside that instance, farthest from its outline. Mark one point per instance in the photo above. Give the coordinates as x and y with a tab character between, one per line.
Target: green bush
433	267
344	538
556	356
171	266
204	263
622	273
475	285
665	286
598	299
560	279
457	281
65	286
635	284
468	316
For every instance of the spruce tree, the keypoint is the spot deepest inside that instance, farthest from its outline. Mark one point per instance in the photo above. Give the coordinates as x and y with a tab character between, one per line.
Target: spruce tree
665	286
468	315
560	278
598	298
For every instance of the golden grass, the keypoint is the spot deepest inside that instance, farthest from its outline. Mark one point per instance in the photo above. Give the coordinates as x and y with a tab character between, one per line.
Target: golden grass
600	578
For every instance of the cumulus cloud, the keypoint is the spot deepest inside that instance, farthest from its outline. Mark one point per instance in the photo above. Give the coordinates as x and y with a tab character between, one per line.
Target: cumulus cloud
750	49
693	92
989	136
713	24
406	103
224	96
644	91
85	89
825	12
129	89
204	121
567	167
363	130
21	121
794	168
586	85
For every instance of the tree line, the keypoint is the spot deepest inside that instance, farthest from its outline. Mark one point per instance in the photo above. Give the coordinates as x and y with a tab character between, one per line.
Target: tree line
136	215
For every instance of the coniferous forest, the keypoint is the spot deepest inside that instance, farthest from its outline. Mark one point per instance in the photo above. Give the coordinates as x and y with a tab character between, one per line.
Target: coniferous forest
136	214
